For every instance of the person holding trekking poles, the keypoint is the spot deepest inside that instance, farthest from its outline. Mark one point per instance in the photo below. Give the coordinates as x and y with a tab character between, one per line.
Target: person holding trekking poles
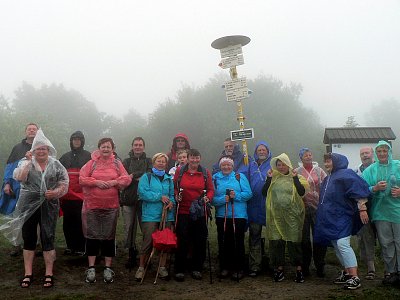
193	189
156	191
232	191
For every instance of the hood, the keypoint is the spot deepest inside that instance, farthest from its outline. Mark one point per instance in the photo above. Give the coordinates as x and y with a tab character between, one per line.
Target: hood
179	135
79	135
339	162
383	143
41	140
267	146
284	158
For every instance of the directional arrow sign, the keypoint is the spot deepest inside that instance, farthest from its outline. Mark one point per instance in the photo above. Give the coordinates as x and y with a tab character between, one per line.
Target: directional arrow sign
237	95
231	51
232	61
244	134
235	84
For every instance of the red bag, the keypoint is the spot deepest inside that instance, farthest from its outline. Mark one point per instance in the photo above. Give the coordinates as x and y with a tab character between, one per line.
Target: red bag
164	240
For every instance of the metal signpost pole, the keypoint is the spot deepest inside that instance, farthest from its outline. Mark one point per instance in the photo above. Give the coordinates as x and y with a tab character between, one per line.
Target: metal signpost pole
236	89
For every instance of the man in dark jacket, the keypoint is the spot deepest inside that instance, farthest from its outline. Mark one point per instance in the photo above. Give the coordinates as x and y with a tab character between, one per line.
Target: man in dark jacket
136	165
231	148
71	203
10	190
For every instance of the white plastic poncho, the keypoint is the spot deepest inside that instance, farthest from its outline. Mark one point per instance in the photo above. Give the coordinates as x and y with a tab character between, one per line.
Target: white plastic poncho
34	184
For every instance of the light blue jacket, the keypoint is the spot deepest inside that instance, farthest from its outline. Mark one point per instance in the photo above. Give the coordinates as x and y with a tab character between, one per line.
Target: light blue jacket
150	191
242	194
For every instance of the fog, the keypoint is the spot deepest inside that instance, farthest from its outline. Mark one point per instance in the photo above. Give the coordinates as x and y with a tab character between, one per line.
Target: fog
131	54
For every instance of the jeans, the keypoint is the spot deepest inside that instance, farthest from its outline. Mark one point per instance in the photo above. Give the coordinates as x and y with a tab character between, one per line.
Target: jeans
389	238
255	251
344	252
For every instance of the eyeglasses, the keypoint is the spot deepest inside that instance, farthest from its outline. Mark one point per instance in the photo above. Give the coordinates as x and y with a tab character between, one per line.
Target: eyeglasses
180	140
41	149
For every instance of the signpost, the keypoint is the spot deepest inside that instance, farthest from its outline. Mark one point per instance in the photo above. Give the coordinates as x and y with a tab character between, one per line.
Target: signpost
236	90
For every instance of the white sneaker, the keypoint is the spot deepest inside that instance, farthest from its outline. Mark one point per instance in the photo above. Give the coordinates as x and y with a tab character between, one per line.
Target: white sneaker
162	272
139	274
90	275
108	275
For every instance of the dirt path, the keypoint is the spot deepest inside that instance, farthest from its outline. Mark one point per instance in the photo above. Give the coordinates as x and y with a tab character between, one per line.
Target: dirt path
70	285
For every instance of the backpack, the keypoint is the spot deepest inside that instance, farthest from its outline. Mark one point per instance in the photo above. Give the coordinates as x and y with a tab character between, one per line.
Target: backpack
94	164
185	168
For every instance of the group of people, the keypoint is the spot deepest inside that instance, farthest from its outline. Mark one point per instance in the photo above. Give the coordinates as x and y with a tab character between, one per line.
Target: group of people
302	208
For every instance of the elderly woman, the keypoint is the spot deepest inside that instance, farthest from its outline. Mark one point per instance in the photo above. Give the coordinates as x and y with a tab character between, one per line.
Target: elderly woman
43	181
340	208
156	190
101	179
232	191
310	170
383	178
285	215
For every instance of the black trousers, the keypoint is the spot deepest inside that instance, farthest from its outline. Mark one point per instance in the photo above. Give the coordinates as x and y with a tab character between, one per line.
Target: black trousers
231	255
317	252
72	224
191	235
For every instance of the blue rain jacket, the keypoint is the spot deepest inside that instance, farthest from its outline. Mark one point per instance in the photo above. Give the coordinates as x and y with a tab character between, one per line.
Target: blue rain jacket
257	175
337	212
242	194
150	193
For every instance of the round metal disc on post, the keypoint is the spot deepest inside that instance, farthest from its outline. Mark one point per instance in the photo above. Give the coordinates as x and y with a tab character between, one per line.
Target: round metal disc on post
230	40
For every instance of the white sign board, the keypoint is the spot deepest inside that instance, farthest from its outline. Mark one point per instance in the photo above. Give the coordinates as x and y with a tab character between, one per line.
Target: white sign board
235	84
242	134
231	62
231	51
237	95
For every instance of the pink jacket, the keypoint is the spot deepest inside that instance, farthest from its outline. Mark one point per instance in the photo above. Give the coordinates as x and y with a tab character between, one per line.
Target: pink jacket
97	169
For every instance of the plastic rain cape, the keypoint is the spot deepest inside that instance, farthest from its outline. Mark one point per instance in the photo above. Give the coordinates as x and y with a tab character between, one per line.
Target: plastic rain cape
285	208
33	187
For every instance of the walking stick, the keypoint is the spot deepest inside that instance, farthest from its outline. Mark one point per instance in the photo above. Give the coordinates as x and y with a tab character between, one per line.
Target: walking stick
234	237
208	242
147	264
223	239
161	227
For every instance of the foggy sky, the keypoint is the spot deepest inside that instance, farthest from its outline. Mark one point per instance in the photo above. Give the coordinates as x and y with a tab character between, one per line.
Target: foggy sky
123	54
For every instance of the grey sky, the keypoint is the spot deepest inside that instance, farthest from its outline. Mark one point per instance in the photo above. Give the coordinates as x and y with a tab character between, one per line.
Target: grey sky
122	54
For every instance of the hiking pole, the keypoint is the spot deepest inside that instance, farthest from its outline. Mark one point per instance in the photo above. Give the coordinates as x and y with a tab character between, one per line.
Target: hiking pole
177	205
234	238
208	242
147	264
223	238
161	227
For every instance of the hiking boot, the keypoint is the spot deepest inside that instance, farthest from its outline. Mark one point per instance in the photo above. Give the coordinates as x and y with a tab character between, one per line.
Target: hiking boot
224	273
108	275
237	275
278	275
342	278
163	273
253	273
139	274
390	279
16	251
90	275
197	275
179	277
299	277
353	283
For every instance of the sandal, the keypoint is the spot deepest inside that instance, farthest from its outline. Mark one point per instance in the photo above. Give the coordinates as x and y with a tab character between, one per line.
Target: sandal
26	281
48	281
370	275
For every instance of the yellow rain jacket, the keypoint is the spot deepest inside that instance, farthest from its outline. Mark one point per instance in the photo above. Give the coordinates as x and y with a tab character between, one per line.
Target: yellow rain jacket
285	207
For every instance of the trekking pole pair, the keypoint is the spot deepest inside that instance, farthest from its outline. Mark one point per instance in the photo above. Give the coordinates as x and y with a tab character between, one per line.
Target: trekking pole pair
208	242
231	200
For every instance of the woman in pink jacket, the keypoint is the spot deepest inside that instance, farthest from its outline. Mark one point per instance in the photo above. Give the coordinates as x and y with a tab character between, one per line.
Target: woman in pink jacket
101	179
